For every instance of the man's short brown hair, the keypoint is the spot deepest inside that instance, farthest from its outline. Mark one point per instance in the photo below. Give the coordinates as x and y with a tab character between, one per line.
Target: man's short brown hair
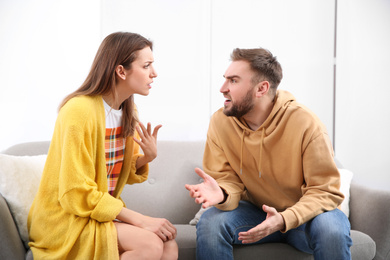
263	63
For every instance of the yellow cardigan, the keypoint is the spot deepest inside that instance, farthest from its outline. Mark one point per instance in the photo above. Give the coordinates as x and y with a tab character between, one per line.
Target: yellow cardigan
72	214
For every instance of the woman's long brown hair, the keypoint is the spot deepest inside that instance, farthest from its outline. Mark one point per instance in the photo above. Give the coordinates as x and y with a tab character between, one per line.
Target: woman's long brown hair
118	48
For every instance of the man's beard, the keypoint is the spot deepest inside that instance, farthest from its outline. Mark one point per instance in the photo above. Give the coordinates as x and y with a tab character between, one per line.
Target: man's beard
242	108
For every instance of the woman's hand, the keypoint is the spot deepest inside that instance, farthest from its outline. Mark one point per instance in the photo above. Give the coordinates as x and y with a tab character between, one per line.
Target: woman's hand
147	142
160	226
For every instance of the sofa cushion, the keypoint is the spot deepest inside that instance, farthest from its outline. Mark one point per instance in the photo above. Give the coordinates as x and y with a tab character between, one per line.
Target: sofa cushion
19	181
363	247
186	240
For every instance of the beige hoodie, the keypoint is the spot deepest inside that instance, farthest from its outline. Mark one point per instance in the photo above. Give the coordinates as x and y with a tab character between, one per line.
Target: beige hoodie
287	163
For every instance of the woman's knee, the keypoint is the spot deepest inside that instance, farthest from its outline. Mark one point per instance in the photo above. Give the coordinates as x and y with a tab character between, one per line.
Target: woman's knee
139	243
171	250
153	247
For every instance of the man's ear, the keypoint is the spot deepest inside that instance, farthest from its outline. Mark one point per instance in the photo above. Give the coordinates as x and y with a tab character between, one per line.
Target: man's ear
120	72
262	88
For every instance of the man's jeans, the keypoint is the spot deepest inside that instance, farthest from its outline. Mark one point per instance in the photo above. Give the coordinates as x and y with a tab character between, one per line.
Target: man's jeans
327	236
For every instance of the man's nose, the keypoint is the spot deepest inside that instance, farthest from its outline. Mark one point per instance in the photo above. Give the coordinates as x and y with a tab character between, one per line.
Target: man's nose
224	88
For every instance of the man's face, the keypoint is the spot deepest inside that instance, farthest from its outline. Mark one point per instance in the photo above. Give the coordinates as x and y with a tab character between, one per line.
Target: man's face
238	89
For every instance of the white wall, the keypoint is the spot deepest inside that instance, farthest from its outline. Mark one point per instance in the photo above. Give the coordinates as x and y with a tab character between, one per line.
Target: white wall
179	98
47	47
363	90
300	33
194	39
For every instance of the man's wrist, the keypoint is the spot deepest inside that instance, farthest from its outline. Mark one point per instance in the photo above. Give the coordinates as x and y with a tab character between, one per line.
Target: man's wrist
225	196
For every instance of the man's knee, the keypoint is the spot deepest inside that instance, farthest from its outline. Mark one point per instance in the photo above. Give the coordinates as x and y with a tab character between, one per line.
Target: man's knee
214	221
210	218
331	226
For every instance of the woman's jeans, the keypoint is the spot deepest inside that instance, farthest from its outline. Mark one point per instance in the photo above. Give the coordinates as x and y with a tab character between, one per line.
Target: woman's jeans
327	236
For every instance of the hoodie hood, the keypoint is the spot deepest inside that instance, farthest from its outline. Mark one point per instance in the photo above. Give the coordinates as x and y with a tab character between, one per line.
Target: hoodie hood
282	101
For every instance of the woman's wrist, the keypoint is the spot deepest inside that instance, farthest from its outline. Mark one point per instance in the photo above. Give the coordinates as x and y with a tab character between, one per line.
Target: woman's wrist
142	161
131	217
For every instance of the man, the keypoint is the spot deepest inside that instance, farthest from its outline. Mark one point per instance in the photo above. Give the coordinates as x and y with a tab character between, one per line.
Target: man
270	169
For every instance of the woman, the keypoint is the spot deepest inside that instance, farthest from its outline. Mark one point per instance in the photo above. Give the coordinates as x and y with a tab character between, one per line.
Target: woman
77	212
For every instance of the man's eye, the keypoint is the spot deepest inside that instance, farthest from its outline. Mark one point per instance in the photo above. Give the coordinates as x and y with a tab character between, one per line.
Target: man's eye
233	81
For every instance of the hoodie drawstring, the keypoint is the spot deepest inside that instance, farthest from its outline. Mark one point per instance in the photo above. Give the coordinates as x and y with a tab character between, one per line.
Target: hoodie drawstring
261	151
242	149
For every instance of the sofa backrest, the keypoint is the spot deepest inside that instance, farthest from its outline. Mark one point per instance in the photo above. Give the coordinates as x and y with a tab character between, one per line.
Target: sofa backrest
29	148
163	194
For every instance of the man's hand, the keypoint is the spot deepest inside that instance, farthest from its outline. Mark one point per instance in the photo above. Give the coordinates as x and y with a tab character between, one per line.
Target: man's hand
273	222
208	192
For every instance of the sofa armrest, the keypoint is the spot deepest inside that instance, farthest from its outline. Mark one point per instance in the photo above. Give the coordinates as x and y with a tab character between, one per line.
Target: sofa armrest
370	214
11	246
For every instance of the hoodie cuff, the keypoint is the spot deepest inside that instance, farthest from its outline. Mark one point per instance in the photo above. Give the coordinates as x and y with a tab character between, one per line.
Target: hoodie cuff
290	220
231	201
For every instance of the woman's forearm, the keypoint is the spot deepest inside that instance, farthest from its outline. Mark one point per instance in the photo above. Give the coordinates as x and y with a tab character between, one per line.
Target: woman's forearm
130	216
141	161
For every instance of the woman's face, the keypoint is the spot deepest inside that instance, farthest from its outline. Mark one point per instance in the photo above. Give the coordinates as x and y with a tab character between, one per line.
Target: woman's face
142	73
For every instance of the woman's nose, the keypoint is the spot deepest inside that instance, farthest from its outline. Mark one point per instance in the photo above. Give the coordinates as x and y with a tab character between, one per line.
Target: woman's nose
153	74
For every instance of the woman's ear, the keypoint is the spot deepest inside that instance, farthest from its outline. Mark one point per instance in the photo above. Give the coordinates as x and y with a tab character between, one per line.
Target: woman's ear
262	88
120	72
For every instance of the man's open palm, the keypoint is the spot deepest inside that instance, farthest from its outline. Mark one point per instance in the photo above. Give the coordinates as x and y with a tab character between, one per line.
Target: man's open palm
208	192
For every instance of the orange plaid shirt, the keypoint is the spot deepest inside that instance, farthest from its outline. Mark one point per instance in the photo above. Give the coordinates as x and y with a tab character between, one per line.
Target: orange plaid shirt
114	148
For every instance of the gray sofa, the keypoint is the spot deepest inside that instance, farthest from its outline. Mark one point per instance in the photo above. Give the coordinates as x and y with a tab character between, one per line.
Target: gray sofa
164	195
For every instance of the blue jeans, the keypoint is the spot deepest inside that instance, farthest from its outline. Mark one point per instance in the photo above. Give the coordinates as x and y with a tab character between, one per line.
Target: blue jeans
327	236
